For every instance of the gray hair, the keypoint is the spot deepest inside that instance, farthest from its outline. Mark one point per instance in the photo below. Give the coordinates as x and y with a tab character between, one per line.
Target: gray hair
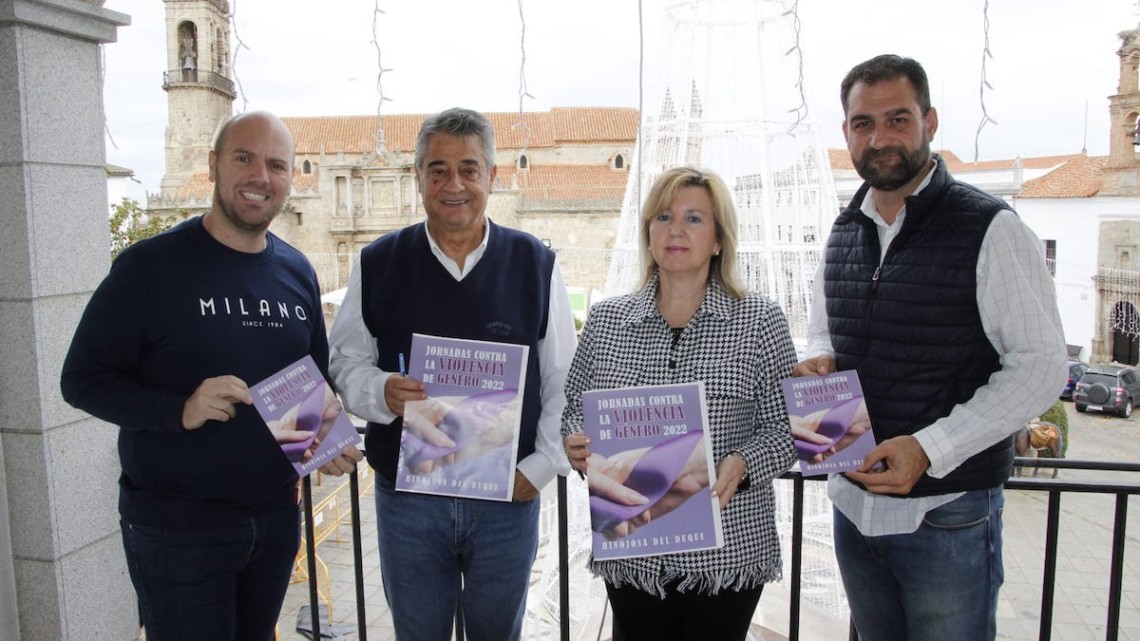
457	122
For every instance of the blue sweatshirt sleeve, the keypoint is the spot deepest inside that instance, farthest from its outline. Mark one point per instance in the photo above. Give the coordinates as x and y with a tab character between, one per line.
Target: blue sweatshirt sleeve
100	372
319	349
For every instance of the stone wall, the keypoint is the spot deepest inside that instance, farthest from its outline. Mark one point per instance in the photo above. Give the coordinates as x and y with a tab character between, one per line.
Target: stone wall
62	572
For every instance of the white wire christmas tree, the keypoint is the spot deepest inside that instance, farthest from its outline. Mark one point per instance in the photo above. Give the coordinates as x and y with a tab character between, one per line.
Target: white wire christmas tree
724	93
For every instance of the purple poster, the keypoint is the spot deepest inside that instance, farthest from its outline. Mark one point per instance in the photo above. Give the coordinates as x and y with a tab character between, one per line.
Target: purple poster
304	415
650	471
463	440
829	422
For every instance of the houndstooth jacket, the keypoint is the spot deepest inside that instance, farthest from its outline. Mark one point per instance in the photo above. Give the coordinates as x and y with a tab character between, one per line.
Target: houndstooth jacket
741	349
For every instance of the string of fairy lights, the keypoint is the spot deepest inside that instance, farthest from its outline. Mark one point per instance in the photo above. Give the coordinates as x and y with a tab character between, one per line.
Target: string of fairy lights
524	93
985	83
380	71
234	55
801	111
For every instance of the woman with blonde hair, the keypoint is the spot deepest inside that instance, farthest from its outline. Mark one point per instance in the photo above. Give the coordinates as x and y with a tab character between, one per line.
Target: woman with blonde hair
693	320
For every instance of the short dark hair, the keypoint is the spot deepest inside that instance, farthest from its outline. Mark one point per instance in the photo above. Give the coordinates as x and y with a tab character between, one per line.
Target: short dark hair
457	122
888	67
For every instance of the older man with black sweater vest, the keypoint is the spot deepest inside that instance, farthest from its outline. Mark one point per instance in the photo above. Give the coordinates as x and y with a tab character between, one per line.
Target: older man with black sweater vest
456	275
939	296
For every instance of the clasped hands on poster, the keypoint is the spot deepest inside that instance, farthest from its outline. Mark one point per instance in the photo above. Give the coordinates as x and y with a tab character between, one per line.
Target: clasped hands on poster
607	477
285	429
484	426
806	429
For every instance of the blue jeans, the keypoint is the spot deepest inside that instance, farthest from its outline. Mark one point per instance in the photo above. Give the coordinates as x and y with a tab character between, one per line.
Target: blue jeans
436	552
939	583
213	583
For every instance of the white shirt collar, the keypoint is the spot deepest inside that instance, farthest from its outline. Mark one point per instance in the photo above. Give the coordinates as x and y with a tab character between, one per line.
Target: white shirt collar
472	259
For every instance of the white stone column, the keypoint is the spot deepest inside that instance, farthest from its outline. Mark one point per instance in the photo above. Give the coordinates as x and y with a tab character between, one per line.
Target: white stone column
62	574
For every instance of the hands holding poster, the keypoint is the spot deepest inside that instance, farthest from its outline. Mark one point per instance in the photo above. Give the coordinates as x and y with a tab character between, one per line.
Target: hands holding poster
304	415
650	471
463	440
829	421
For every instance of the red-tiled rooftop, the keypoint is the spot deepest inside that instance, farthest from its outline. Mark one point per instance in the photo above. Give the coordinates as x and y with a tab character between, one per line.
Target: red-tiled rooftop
566	182
197	188
1072	175
1078	177
357	134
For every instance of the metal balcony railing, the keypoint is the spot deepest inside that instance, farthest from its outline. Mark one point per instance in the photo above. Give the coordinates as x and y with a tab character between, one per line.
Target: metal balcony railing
1055	488
197	77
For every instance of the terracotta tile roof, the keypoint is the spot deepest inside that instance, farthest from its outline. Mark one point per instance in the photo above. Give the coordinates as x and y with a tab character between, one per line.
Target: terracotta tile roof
352	134
593	124
1038	162
199	187
356	134
840	159
566	182
1078	177
304	182
950	157
1072	175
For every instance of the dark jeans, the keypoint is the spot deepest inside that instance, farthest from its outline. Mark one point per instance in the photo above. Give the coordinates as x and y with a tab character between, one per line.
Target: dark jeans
681	616
219	583
939	583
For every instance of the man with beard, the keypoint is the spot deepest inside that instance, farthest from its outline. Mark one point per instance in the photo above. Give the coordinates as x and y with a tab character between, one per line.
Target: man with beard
939	296
166	349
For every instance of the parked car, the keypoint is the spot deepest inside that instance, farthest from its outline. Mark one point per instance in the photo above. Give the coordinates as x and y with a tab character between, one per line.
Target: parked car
1077	369
1107	388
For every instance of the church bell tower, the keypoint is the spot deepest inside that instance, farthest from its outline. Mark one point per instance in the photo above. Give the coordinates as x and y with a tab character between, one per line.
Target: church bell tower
1121	175
198	85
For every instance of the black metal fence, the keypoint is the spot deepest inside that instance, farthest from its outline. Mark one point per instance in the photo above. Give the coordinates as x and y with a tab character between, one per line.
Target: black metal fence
1055	489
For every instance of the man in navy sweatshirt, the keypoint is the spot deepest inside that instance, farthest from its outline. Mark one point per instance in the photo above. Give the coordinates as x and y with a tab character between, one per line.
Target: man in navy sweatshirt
166	349
457	275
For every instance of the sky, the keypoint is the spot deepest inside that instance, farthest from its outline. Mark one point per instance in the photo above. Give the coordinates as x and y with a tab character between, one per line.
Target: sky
1051	64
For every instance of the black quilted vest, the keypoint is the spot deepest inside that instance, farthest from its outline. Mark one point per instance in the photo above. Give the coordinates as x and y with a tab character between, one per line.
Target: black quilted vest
911	326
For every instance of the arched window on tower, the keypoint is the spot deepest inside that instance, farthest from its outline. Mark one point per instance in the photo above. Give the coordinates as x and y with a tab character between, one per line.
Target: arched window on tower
619	162
220	50
306	167
523	162
188	51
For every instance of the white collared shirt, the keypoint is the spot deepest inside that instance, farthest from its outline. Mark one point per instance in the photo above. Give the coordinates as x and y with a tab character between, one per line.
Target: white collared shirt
1018	307
361	384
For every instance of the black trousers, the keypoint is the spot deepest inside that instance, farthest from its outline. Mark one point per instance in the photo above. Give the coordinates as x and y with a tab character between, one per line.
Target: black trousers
681	616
